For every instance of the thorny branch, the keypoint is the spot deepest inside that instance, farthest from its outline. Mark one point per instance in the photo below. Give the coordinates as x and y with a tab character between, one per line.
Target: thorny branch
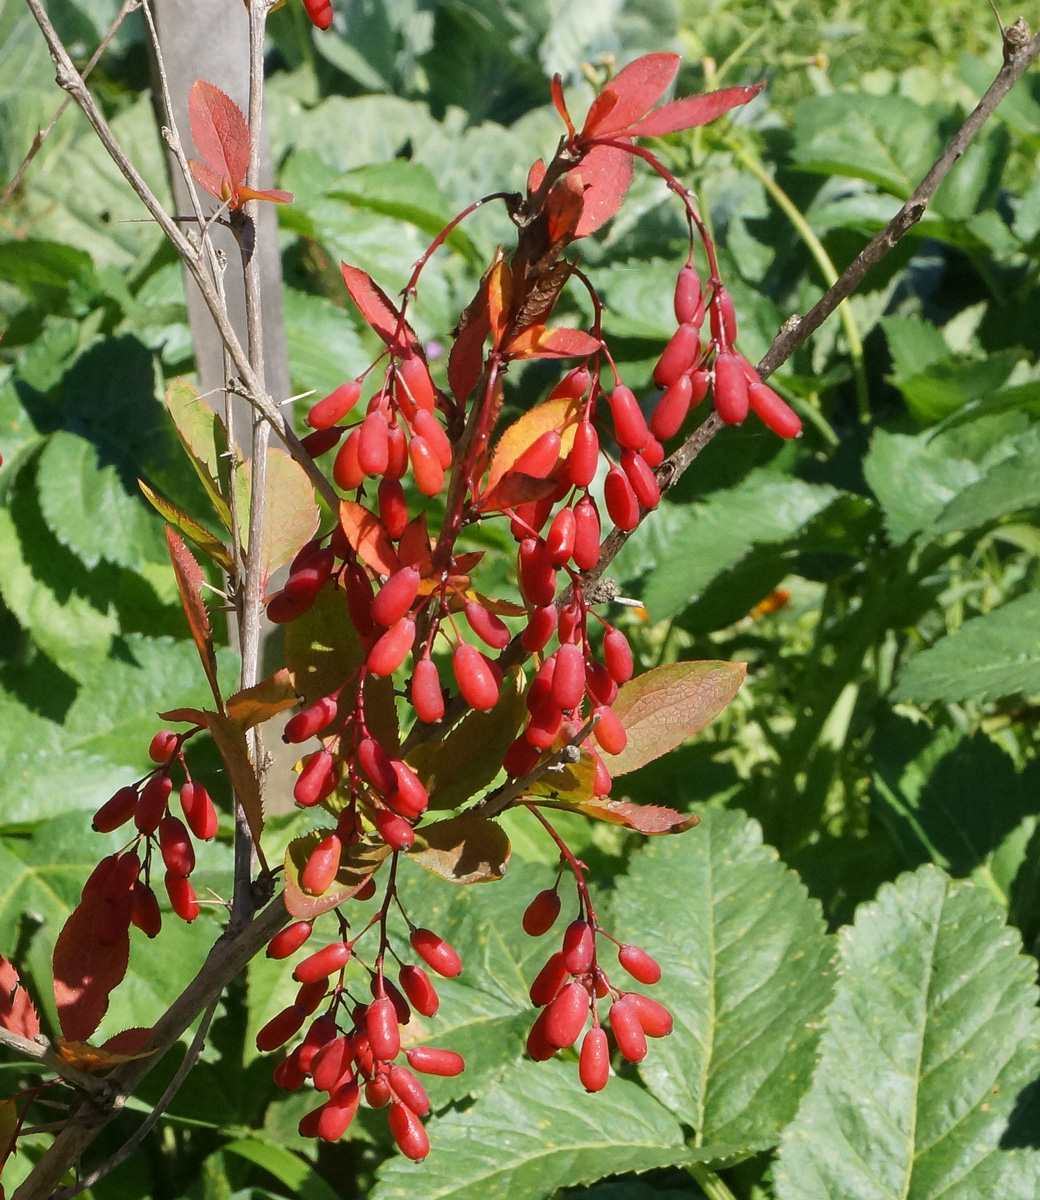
231	953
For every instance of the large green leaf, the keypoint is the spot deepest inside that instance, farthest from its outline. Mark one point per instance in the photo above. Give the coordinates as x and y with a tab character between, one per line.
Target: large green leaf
929	1041
1010	485
535	1131
745	960
995	655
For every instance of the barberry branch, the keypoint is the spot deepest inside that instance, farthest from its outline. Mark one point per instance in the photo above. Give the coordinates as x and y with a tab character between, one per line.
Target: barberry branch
42	1052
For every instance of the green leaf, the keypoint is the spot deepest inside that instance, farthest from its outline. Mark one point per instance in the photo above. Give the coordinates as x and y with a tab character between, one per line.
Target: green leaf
324	348
464	849
190	528
358	864
1007	487
291	515
535	1131
664	706
296	1173
89	508
42	271
929	1041
989	657
204	439
744	960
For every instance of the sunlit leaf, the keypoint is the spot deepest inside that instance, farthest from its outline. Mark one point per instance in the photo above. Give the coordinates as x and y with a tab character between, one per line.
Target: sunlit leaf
16	1009
86	970
263	700
558	415
358	864
201	537
368	536
464	849
189	584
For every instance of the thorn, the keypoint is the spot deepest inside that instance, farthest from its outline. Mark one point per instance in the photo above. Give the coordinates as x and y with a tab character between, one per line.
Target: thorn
299	396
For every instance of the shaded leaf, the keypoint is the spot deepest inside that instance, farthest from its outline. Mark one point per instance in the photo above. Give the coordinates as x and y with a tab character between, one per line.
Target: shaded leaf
644	818
189	584
358	864
368	536
291	513
204	438
465	849
16	1009
928	1043
231	742
295	1173
663	707
86	970
263	700
515	488
94	1058
190	528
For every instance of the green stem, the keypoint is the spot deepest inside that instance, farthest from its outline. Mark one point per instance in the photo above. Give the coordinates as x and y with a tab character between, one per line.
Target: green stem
709	1183
823	261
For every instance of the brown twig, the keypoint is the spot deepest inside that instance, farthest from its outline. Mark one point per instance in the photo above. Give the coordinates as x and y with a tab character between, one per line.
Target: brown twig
42	1052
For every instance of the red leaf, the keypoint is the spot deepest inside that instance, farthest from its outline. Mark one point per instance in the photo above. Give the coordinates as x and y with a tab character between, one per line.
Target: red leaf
413	548
563	208
556	91
535	176
85	971
275	195
368	535
376	308
644	818
220	132
16	1009
210	181
538	342
606	172
128	1041
637	89
692	111
189	584
513	489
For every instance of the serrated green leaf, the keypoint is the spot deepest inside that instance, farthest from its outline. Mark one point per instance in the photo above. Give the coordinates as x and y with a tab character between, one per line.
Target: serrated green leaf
535	1131
201	537
1008	486
929	1041
995	655
89	509
744	961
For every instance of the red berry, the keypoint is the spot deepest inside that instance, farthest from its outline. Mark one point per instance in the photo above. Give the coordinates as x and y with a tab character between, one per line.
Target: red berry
586	534
115	811
544	727
629	424
774	412
537	574
627	1029
335	1116
320	13
655	1019
177	851
622	505
320	870
568	681
429	474
602	781
538	1045
396	467
321	1032
373	450
609	732
395	597
393	507
316	780
541	625
311	721
639	964
288	1075
540	458
584	455
376	764
281	1027
700	381
678	356
731	389
559	544
491	629
672	409
346	469
392	648
688	304
288	940
594	1060
359	599
529	518
335	406
145	914
381	1028
723	319
574	384
549	980
308	1126
414	375
394	829
162	745
432	1060
540	915
427	696
436	953
617	654
408	797
475	678
311	995
432	432
323	963
579	946
152	804
599	685
183	900
331	1062
122	877
652	454
566	1015
409	1090
419	990
408	1132
520	758
321	441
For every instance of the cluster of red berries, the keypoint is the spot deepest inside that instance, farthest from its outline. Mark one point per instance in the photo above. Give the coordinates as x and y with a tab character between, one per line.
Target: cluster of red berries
350	1052
569	985
129	898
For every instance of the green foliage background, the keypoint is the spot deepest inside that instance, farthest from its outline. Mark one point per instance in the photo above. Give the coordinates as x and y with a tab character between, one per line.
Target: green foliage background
843	935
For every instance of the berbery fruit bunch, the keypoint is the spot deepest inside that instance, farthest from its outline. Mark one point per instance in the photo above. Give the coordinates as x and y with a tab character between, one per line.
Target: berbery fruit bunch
399	659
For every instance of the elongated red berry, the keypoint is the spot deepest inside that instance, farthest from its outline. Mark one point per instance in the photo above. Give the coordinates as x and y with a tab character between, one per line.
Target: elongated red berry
559	542
346	469
415	377
723	319
311	995
145	913
436	953
121	877
773	411
373	450
549	980
392	648
376	764
688	303
568	682
541	625
322	865
594	1060
335	1117
489	627
409	1090
115	811
579	946
315	781
672	409
427	695
629	423
394	829
622	505
281	1027
162	745
408	1132
627	1030
152	804
393	507
541	457
330	1063
617	654
384	1034
428	472
288	1075
432	1060
321	15
311	721
475	678
335	406
584	456
395	597
329	960
566	1015
419	990
644	484
408	797
537	574
288	940
538	1045
609	731
655	1019
520	758
586	534
432	432
678	356
175	844
731	389
396	468
321	441
574	384
183	900
640	965
540	915
320	1033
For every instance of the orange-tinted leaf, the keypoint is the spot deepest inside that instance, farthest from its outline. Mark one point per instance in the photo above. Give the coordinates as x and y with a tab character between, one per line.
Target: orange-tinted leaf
563	208
189	584
637	88
231	743
376	308
513	489
413	548
535	176
359	863
561	415
275	195
190	528
606	172
499	300
194	715
693	111
291	514
538	342
556	91
599	110
464	849
644	818
368	535
92	1058
663	707
210	181
85	970
219	130
263	701
16	1009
